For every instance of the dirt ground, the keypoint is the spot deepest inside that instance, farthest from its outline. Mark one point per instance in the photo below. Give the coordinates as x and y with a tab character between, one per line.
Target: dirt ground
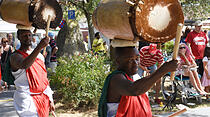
64	111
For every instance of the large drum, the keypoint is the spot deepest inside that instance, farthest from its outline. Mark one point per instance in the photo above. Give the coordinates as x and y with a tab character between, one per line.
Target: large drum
31	12
154	20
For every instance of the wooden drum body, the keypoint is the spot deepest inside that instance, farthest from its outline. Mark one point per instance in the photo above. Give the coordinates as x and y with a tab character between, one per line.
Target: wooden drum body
154	21
112	20
15	11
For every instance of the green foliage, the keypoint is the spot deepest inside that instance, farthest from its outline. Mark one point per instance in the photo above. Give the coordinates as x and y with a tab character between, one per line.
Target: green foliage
168	47
84	5
196	9
79	80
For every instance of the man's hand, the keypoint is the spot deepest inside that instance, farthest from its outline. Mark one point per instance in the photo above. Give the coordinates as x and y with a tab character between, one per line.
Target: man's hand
44	42
147	71
52	106
170	66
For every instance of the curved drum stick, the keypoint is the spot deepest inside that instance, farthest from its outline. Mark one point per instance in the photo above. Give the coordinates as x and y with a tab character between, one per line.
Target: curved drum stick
178	113
47	29
176	46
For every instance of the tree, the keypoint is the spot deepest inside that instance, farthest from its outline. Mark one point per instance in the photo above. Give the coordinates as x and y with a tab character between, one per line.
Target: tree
196	9
70	39
86	7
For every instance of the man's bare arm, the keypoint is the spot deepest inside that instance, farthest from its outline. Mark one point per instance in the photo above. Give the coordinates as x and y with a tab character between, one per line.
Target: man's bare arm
18	62
126	87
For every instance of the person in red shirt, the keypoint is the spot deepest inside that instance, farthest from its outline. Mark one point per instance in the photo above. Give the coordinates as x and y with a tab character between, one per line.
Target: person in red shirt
197	41
149	56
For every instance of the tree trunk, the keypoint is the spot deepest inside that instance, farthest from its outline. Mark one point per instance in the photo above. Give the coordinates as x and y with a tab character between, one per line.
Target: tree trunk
90	27
70	41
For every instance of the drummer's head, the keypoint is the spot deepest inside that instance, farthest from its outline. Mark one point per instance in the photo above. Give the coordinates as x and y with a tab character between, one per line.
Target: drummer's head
25	36
127	59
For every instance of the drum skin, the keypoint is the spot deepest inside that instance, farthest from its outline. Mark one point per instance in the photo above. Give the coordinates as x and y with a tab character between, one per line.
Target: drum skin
156	21
167	25
31	12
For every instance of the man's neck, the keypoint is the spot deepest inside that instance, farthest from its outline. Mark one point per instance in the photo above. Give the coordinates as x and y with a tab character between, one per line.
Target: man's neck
131	76
25	49
197	31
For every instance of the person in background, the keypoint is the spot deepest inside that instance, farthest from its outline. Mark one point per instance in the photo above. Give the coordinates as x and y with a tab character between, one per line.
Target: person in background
10	39
185	33
208	36
54	49
188	66
98	44
197	41
6	51
206	74
33	95
0	71
121	95
149	56
47	56
34	43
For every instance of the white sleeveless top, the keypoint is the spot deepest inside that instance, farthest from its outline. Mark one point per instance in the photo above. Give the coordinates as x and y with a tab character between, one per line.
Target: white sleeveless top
23	102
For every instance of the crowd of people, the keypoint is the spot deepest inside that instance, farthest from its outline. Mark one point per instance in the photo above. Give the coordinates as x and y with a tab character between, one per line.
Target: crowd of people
8	46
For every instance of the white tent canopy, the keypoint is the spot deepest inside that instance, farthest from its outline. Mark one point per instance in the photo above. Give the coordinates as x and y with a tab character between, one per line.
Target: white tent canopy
6	27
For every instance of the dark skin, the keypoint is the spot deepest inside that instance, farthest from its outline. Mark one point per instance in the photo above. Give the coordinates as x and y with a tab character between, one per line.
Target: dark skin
128	61
18	62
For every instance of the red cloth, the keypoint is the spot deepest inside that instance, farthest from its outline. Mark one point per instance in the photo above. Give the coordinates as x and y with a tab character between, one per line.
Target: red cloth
134	106
198	43
147	60
38	82
189	58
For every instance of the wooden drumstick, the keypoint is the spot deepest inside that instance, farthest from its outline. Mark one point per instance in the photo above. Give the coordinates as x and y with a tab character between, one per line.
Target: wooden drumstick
176	46
53	113
178	113
47	29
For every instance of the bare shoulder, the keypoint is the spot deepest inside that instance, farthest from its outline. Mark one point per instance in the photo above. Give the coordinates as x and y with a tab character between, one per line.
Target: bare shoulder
15	56
117	78
15	60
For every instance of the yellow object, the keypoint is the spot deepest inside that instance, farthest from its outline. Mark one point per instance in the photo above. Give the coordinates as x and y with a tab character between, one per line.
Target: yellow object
161	104
98	45
6	100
